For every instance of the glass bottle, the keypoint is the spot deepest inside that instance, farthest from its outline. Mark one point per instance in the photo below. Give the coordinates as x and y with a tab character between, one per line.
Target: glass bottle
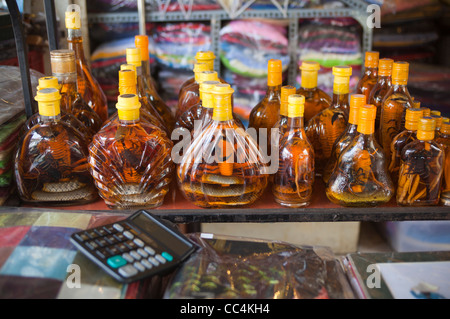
51	163
52	82
327	126
223	167
131	160
361	178
267	112
436	115
444	142
356	102
293	182
190	95
394	105
206	57
281	124
316	100
141	42
65	70
369	79
402	139
421	168
88	86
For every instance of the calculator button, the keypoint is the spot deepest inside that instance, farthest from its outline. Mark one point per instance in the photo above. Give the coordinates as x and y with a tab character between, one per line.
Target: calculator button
111	239
139	242
167	256
142	252
128	235
127	257
135	255
150	250
131	245
110	229
82	237
101	242
120	237
160	258
146	263
128	271
113	250
118	227
153	261
92	234
100	254
139	266
122	247
100	231
116	261
92	245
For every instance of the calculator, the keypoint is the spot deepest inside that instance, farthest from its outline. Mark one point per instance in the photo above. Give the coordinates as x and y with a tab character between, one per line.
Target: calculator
137	247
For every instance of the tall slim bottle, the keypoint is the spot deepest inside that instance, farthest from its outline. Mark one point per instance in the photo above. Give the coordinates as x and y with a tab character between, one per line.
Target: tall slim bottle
88	86
327	126
316	100
394	105
444	143
369	79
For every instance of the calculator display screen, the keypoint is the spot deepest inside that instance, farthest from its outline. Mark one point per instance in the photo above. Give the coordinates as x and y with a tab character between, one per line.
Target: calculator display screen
175	244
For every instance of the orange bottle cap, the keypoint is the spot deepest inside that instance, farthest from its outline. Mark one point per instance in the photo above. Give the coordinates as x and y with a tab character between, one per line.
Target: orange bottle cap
366	122
412	117
371	60
296	105
274	72
437	120
356	101
385	67
400	72
425	128
127	82
286	91
141	42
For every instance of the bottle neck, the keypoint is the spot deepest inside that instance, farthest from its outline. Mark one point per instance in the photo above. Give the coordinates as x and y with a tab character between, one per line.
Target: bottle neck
75	43
340	100
128	122
295	122
371	72
68	82
48	119
273	92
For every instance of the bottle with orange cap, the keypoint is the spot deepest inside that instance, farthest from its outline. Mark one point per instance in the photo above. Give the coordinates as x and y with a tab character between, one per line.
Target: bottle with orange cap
51	165
141	42
223	166
327	126
444	142
369	79
436	115
361	178
316	100
421	169
412	117
88	86
281	124
130	160
356	101
394	105
293	182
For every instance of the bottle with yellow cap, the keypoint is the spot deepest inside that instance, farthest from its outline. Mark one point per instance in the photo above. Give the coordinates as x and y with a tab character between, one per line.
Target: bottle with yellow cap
356	102
436	115
316	100
327	126
52	82
293	182
134	57
369	79
361	178
131	160
127	85
190	95
267	112
281	124
394	105
63	64
88	86
413	115
444	142
421	168
51	165
223	166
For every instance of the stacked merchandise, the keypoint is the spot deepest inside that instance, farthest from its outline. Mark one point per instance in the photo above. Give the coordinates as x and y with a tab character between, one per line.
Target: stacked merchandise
331	42
245	48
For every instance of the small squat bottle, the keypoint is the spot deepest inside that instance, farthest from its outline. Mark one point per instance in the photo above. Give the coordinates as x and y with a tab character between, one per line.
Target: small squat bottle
51	163
444	143
369	79
294	180
421	169
361	178
130	160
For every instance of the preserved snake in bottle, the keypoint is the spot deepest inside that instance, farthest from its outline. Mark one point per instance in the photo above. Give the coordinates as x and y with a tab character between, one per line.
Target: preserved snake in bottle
370	76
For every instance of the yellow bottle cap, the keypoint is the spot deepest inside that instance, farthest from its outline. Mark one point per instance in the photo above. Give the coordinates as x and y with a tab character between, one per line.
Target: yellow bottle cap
425	128
286	91
73	17
412	117
141	42
356	101
201	67
385	67
49	100
134	56
46	82
371	59
309	70
435	112
206	95
127	82
341	81
274	72
445	120
426	111
128	67
437	120
400	72
366	122
207	76
128	106
206	57
222	102
296	106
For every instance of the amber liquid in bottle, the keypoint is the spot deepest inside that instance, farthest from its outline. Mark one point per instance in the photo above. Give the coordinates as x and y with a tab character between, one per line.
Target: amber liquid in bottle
294	180
421	168
51	163
444	143
402	139
223	167
369	79
316	100
282	122
356	101
361	178
88	87
131	160
327	126
394	105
